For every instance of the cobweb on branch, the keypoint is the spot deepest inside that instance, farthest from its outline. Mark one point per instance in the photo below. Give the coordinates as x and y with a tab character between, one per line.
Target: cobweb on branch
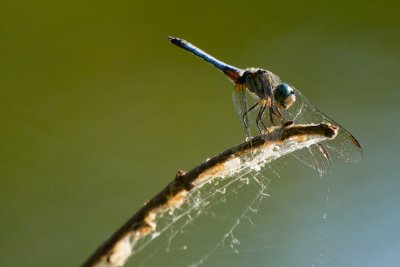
228	189
212	203
218	223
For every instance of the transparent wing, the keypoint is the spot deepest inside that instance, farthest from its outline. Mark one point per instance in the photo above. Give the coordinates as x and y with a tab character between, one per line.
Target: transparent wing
344	147
244	100
242	103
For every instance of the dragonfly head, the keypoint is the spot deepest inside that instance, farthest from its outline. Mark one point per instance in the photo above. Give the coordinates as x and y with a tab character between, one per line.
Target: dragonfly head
284	95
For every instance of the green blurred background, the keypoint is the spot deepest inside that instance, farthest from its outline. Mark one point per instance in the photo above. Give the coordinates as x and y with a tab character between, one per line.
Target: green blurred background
98	112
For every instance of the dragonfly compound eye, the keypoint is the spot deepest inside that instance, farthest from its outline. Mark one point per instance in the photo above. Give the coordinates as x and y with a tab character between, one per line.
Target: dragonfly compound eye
284	95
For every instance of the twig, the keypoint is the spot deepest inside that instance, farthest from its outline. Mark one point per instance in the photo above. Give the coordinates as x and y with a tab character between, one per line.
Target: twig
116	250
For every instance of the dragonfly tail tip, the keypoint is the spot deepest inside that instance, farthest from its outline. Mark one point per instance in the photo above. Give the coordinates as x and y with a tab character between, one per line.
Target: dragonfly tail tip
172	39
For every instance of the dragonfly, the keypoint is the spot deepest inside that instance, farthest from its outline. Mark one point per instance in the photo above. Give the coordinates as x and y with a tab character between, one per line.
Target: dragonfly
279	105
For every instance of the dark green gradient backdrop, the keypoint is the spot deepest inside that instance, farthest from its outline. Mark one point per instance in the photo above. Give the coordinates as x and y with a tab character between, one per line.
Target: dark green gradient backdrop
98	112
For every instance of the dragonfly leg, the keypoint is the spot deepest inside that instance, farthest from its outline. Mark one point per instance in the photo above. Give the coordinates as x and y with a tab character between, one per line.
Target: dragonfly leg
263	106
271	111
246	120
275	110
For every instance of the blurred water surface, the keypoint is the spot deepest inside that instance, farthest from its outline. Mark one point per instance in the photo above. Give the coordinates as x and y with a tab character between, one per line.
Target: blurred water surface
98	112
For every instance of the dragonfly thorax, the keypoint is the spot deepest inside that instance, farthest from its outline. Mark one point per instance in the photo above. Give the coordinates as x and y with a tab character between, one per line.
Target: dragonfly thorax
259	81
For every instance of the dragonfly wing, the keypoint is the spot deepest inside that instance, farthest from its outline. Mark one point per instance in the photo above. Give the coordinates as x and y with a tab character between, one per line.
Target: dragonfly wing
315	156
344	147
241	106
245	103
